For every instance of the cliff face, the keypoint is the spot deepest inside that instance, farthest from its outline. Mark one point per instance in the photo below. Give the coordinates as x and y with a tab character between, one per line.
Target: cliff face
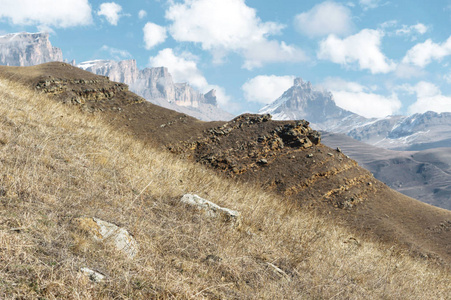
151	83
27	49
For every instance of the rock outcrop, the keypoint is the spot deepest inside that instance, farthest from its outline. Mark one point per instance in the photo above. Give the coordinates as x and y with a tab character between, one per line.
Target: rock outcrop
27	49
157	86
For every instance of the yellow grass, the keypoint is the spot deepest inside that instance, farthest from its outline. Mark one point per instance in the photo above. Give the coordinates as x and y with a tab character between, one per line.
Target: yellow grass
58	164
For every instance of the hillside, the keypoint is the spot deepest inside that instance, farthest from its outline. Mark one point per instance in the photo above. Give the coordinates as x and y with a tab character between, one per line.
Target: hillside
62	163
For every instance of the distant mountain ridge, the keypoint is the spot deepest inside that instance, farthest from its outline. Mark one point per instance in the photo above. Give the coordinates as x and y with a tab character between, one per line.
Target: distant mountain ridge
303	101
154	84
27	49
157	86
417	132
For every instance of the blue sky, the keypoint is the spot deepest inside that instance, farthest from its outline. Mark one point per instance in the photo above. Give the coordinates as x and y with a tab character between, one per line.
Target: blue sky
377	57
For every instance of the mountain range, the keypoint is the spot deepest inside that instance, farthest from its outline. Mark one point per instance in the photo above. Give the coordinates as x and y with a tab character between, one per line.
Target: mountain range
154	84
416	132
420	132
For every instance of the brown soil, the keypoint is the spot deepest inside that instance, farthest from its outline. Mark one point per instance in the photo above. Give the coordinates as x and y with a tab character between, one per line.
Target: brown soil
284	157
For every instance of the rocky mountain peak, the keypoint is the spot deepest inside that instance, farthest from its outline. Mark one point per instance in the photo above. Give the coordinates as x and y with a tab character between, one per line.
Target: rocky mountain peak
210	97
298	82
303	101
27	49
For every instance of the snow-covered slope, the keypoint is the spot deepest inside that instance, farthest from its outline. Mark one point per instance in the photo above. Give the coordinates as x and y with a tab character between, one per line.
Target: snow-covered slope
27	49
156	85
416	132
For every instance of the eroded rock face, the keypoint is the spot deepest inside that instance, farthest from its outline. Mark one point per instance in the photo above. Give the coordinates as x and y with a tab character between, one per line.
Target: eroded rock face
157	86
104	231
27	49
212	209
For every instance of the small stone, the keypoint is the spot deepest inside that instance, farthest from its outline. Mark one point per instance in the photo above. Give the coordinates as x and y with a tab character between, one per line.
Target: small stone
330	154
338	149
93	275
310	155
263	161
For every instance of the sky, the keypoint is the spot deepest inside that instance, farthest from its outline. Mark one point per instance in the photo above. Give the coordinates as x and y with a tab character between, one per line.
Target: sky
377	57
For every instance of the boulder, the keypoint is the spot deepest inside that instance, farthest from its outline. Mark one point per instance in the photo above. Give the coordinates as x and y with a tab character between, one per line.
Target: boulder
108	232
212	209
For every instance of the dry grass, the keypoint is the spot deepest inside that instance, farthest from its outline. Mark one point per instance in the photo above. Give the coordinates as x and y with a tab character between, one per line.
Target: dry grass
58	164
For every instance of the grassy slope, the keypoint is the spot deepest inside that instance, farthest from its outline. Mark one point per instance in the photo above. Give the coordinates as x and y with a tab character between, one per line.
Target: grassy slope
58	164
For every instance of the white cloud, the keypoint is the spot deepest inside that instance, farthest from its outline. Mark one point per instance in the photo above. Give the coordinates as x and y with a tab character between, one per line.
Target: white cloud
325	18
422	54
265	89
429	98
361	100
153	35
369	4
48	13
110	10
362	48
447	77
183	68
223	26
271	52
406	71
412	31
116	54
142	14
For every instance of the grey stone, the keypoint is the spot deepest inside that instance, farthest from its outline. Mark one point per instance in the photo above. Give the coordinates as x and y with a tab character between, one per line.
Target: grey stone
93	275
107	232
212	209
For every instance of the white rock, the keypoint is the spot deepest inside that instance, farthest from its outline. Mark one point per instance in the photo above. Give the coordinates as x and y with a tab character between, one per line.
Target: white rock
212	209
93	275
104	231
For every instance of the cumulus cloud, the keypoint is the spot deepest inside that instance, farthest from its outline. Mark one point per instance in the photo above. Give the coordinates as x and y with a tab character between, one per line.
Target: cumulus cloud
266	88
142	14
271	52
116	54
324	19
369	4
223	26
183	68
409	30
361	100
406	71
424	53
153	35
110	10
47	13
429	98
447	77
362	48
